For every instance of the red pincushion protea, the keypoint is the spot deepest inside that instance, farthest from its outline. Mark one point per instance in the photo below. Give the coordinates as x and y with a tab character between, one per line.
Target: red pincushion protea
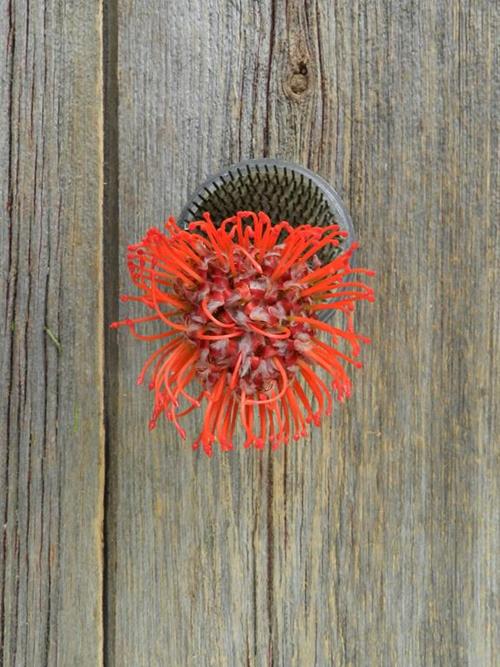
237	304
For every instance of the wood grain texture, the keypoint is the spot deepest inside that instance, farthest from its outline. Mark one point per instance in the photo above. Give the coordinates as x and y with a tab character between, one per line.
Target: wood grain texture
373	542
51	435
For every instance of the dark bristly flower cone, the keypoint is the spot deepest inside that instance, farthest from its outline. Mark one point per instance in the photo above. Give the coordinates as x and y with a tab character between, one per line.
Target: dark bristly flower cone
238	307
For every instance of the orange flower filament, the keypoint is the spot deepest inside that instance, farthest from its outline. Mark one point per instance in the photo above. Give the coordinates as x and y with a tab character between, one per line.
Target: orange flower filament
238	308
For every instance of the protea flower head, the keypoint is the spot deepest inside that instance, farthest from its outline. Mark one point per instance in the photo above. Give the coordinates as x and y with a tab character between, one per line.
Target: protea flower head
237	305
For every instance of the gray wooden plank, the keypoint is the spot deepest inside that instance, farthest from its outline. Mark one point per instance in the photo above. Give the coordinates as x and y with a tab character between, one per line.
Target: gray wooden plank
394	523
372	542
180	522
51	426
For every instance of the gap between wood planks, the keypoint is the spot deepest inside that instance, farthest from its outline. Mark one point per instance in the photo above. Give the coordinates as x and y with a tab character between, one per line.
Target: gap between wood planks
111	282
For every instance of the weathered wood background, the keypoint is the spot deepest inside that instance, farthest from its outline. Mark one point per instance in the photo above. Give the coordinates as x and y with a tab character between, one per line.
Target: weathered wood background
374	541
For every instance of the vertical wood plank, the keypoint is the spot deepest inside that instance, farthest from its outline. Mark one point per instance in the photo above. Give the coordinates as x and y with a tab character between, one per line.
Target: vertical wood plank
189	539
373	541
51	435
385	553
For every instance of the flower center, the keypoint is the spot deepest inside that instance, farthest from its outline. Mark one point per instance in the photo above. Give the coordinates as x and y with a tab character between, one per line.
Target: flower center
240	320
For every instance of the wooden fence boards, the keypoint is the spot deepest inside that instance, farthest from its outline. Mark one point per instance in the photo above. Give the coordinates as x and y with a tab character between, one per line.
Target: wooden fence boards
51	494
371	542
358	545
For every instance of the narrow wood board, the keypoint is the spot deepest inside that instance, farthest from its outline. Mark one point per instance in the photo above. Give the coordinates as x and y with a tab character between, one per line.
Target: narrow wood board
51	355
373	541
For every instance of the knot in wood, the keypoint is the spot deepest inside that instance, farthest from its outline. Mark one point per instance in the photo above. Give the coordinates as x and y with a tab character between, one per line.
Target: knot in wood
298	81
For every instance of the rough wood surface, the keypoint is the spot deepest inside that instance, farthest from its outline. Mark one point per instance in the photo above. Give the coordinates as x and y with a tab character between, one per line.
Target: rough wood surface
51	435
372	542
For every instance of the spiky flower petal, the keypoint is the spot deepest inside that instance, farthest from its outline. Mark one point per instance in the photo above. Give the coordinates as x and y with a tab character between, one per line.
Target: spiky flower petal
238	307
